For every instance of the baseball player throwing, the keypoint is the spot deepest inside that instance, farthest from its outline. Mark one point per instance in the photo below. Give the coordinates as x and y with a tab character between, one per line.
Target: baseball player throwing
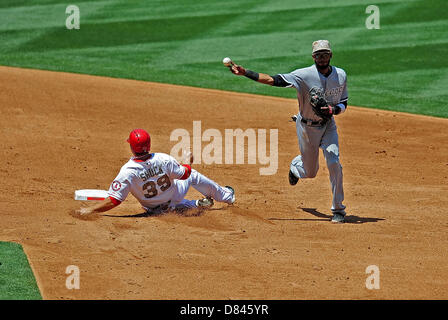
322	93
159	182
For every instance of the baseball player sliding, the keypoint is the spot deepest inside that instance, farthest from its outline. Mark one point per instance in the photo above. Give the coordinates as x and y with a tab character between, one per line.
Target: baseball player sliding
322	93
159	182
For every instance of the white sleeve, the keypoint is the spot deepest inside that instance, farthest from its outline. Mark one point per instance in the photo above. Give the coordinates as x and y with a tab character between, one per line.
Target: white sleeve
120	187
174	169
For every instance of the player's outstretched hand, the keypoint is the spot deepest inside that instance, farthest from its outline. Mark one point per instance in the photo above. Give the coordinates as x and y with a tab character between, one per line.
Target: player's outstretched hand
84	213
238	70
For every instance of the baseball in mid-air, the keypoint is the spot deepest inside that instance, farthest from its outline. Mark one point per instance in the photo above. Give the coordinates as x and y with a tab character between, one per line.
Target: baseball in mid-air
227	62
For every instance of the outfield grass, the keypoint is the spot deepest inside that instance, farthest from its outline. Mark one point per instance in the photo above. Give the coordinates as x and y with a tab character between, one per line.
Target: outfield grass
401	66
16	278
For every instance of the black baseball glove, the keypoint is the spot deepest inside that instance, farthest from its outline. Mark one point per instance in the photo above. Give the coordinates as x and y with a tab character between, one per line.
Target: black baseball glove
320	105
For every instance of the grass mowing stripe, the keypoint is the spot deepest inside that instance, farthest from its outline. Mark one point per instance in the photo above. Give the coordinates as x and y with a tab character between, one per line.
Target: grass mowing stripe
400	35
93	33
120	11
170	29
25	3
270	6
252	21
378	91
36	17
32	3
130	32
420	11
397	37
391	59
17	281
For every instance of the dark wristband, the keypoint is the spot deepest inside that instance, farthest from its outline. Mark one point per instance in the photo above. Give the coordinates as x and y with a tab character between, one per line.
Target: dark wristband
337	110
252	75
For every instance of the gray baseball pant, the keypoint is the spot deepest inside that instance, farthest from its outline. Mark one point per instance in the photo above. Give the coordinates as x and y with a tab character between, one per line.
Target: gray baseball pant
306	165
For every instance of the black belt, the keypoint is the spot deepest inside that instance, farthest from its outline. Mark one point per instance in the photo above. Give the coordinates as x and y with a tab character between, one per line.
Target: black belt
313	123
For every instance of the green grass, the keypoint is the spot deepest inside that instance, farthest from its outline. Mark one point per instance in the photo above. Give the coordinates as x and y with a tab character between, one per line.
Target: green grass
401	66
16	278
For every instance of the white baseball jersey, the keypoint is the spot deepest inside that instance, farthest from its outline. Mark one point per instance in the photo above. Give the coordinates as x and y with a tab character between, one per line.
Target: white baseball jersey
150	181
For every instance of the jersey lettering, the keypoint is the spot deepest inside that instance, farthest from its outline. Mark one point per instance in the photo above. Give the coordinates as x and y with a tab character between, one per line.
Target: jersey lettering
151	172
334	92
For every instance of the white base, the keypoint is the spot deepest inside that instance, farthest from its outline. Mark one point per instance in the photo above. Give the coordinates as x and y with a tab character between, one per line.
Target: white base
91	194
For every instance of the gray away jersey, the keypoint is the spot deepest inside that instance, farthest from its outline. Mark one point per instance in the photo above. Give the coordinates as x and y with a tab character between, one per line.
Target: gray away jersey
334	86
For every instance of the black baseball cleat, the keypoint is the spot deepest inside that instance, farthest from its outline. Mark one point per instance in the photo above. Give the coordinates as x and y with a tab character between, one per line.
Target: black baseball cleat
292	178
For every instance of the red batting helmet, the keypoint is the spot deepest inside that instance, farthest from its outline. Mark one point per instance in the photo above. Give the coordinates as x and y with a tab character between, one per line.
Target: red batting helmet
140	141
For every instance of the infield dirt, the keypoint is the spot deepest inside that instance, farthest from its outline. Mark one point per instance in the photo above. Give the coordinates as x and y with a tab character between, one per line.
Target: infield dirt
61	132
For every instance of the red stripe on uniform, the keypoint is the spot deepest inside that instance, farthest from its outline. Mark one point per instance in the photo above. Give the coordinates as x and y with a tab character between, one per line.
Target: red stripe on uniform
115	201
